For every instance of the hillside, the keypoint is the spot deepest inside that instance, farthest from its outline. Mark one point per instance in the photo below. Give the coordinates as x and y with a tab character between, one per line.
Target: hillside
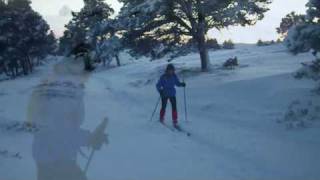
233	120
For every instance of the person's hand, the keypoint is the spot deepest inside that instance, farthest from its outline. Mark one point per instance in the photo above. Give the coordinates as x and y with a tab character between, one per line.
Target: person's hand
161	92
97	140
183	84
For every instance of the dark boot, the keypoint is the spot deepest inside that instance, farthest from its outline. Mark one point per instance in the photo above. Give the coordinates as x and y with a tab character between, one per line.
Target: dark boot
162	114
175	118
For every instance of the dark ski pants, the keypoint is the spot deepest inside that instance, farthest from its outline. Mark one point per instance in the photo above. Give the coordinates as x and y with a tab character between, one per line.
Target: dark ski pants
173	101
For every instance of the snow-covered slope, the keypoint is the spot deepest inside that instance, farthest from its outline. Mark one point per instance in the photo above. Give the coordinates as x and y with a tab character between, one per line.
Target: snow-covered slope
233	120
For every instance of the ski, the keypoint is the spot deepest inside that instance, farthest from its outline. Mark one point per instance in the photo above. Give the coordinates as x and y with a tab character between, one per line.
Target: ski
179	129
168	127
176	129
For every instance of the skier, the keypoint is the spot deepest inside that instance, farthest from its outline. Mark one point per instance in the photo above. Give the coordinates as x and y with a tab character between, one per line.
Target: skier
166	88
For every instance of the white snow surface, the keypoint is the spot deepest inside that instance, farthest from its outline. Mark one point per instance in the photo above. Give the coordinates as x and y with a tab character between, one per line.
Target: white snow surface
233	120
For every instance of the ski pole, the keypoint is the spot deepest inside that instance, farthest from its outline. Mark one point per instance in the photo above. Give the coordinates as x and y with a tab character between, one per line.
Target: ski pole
155	109
99	130
89	161
185	100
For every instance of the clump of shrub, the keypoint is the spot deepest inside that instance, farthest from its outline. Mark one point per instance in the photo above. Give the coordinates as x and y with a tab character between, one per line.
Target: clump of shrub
265	43
231	63
309	70
228	44
301	114
213	44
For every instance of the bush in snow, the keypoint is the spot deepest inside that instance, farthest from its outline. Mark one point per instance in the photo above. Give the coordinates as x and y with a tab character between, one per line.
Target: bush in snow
7	154
228	44
310	71
173	21
231	63
301	114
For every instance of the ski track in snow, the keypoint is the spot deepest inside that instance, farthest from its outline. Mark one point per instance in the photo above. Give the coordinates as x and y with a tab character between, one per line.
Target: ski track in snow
233	116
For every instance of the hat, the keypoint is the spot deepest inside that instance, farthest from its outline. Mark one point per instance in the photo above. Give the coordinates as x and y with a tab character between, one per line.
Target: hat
170	67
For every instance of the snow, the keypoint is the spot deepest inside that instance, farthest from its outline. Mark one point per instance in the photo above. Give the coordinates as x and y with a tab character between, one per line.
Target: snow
146	6
233	114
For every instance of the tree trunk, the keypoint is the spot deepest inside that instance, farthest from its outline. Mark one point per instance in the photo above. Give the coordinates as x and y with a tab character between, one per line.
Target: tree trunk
204	56
30	64
11	69
118	60
5	69
201	37
24	68
104	62
38	61
87	63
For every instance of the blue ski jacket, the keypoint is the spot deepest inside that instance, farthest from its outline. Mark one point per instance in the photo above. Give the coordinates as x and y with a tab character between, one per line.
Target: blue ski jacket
167	83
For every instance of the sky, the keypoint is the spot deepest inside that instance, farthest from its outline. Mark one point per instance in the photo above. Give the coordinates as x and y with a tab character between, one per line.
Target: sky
57	13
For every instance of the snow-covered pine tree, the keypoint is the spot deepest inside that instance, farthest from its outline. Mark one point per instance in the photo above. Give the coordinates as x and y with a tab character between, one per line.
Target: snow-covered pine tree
25	36
306	37
80	28
109	49
291	19
109	44
172	21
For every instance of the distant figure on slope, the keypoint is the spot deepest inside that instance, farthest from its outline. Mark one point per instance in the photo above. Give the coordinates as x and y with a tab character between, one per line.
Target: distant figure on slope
166	88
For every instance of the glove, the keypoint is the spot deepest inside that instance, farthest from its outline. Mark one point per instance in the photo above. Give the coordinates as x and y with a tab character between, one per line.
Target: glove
183	84
97	140
161	92
99	137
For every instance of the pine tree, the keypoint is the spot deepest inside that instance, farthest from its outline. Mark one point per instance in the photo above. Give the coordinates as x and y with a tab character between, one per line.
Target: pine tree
213	44
24	36
228	44
80	28
109	44
171	21
290	20
306	36
86	28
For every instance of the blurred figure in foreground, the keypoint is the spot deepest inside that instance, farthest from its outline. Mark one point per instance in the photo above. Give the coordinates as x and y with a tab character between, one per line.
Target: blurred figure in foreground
57	107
